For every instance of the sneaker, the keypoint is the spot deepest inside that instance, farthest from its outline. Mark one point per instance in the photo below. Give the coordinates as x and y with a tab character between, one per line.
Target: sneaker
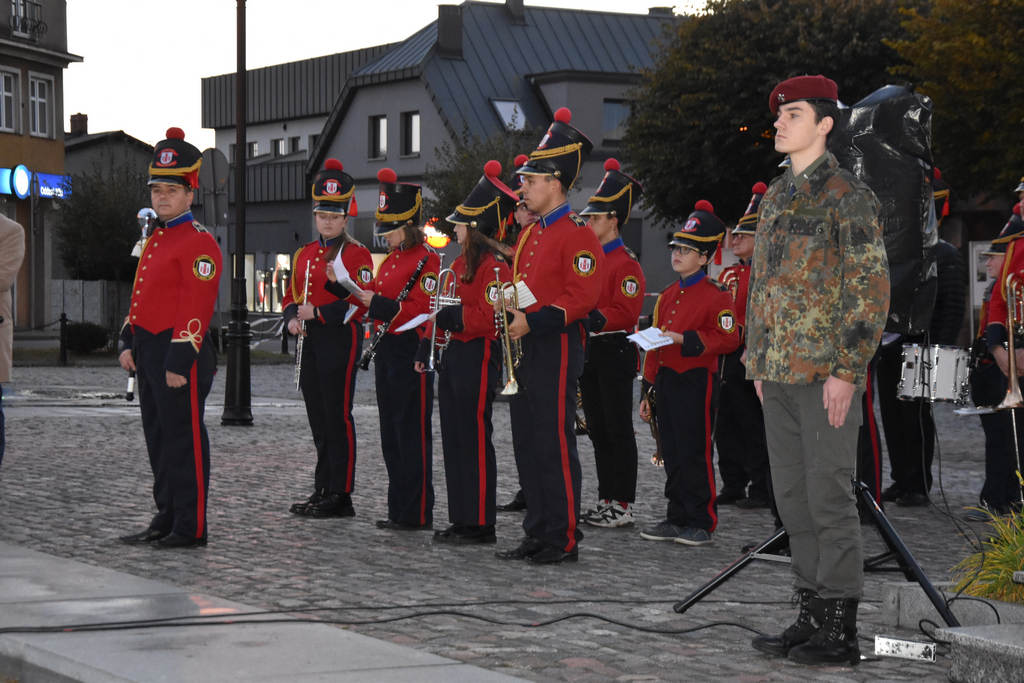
596	511
662	531
615	515
693	536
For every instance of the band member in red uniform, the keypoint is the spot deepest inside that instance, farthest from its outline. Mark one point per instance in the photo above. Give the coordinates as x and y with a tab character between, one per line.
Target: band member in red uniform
697	314
1013	267
470	368
610	367
739	432
165	341
405	281
317	307
557	272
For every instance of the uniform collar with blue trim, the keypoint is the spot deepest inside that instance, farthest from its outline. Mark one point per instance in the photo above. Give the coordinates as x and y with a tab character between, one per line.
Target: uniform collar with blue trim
553	216
692	279
328	243
613	245
183	218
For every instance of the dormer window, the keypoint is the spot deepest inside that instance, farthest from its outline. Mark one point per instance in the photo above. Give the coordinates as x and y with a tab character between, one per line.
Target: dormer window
510	113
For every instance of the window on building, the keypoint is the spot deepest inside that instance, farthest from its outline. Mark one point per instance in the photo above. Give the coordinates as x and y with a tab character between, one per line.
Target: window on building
8	101
613	127
277	147
410	133
378	137
40	106
293	144
26	16
510	114
252	150
313	139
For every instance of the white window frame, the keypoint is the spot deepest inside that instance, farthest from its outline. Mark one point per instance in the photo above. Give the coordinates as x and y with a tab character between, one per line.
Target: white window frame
510	113
33	102
377	148
14	96
411	133
19	10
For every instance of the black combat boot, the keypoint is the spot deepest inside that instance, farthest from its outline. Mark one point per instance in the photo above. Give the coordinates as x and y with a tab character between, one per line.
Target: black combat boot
806	625
300	508
836	642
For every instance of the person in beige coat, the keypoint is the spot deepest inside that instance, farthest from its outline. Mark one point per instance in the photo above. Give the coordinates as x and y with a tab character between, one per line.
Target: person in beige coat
12	251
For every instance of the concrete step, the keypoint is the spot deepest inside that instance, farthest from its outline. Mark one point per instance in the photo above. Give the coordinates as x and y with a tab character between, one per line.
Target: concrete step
983	654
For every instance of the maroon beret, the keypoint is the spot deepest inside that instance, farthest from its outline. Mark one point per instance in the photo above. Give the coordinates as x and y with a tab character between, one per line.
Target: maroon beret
803	88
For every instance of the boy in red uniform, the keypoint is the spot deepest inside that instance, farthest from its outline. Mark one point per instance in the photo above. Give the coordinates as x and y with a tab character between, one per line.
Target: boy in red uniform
697	314
610	367
317	307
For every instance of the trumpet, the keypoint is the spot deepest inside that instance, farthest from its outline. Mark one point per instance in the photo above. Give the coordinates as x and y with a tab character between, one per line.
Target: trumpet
302	333
446	281
512	351
1013	397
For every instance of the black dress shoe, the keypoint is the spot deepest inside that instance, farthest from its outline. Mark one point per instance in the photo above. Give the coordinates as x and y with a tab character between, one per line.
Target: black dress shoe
464	535
528	547
401	526
173	540
730	496
515	505
913	500
149	535
301	508
752	502
332	505
891	493
549	554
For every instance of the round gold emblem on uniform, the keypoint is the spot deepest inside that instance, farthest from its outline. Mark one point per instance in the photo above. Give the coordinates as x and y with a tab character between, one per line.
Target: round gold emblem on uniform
428	283
630	286
726	321
491	292
584	263
365	275
204	268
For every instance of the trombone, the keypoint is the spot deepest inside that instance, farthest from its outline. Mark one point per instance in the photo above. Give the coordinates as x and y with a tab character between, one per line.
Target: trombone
446	282
512	351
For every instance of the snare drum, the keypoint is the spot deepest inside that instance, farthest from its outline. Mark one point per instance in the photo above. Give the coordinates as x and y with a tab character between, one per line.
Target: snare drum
935	373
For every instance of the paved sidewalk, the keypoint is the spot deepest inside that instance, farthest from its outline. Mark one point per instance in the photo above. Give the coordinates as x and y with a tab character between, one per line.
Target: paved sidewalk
75	477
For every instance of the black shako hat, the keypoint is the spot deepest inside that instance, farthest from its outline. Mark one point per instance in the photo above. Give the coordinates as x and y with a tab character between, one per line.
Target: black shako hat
702	231
334	190
615	195
489	205
560	152
1012	230
397	204
175	161
747	224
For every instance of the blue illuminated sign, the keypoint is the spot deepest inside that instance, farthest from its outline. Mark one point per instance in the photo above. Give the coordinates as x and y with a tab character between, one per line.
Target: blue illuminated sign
18	181
21	181
53	185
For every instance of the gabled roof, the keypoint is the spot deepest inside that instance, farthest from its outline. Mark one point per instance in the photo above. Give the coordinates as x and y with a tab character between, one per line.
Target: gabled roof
505	58
77	142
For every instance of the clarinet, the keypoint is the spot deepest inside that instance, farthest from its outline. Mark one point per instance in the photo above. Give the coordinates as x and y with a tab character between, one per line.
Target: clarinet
382	329
302	332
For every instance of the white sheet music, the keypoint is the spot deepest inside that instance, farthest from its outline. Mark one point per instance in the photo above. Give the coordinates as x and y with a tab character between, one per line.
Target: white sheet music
415	322
522	292
650	338
341	272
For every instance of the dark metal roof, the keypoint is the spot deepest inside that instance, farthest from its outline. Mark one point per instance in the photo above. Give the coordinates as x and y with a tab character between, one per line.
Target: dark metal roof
75	142
295	90
503	59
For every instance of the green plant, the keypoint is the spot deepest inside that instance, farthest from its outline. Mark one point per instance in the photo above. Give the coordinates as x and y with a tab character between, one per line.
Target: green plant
86	337
988	573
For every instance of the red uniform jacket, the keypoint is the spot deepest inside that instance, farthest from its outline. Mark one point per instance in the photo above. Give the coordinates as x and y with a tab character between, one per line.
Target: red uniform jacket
393	274
622	294
558	258
478	297
737	279
1013	264
330	308
701	310
176	288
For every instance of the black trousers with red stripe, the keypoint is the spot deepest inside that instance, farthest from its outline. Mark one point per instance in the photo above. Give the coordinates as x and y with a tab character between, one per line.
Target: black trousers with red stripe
739	432
607	389
543	413
405	401
908	425
466	384
686	415
328	382
172	419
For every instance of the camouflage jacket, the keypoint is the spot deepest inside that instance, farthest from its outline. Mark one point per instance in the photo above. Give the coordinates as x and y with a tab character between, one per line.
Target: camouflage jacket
819	283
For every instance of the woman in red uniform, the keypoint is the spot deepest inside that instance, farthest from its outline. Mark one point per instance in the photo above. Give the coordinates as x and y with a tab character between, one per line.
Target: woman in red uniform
470	368
332	341
405	281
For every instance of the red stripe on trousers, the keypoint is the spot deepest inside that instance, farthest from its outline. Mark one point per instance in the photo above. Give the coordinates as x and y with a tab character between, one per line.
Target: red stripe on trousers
707	452
876	454
350	433
563	447
423	448
197	451
481	437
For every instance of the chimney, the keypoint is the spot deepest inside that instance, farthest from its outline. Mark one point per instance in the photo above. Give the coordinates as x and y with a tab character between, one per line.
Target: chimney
449	31
79	125
660	12
515	10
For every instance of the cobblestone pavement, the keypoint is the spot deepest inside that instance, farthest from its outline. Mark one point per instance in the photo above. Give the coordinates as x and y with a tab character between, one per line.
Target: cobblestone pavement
76	476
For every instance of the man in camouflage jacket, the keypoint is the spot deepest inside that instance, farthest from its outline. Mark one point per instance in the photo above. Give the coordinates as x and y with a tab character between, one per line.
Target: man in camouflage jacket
819	296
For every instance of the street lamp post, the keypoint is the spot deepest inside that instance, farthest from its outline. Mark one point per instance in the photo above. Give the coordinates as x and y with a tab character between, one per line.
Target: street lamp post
237	390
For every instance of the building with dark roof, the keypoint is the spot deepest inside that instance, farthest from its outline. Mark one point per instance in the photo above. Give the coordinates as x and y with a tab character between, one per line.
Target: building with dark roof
479	68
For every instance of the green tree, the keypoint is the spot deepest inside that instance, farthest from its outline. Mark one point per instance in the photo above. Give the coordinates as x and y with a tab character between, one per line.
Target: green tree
461	163
968	57
96	226
700	126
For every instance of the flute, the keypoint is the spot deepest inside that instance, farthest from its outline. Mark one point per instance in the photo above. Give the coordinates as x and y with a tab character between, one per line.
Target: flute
302	332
